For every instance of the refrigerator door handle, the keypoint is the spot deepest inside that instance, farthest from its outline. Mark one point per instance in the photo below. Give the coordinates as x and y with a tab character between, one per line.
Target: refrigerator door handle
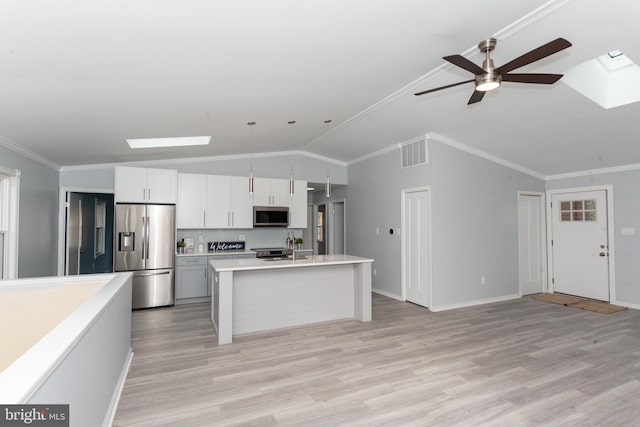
152	274
148	250
144	239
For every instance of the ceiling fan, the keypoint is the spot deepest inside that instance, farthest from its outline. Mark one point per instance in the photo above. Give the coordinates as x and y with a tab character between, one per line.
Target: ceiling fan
488	77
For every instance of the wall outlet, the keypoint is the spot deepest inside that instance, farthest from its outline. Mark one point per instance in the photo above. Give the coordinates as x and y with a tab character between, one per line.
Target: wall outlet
377	230
200	239
241	237
483	280
375	273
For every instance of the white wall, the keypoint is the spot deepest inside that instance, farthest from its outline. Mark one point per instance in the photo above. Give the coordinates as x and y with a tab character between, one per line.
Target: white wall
626	204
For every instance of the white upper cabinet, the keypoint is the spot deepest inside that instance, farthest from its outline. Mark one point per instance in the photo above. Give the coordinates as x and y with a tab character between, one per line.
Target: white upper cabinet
271	192
240	203
220	201
145	185
218	197
298	205
192	200
228	202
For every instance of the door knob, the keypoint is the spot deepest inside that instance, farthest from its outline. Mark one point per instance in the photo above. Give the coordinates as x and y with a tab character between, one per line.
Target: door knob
601	253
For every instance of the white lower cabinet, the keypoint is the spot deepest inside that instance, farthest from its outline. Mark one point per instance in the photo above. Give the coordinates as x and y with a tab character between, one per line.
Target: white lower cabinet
191	277
227	256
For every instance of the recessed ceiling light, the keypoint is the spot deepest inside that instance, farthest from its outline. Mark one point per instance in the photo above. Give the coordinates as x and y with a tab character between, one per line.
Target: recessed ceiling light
615	53
168	142
310	188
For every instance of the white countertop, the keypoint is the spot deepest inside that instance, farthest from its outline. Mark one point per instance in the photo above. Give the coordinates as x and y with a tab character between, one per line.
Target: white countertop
221	253
270	264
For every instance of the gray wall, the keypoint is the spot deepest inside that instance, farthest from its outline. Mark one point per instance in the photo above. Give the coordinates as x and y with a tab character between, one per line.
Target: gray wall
474	226
306	168
626	203
373	201
38	215
474	221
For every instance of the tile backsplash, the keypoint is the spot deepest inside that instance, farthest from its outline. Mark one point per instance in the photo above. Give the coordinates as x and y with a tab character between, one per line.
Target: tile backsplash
254	237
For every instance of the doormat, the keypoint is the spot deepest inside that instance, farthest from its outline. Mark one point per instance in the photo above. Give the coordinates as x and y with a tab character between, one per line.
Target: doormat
577	302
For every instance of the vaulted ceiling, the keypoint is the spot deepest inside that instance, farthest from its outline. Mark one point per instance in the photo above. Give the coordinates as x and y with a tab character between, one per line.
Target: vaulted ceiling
77	78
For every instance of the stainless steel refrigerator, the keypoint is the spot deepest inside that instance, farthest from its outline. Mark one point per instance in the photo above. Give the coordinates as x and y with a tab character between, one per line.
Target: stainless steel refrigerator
145	244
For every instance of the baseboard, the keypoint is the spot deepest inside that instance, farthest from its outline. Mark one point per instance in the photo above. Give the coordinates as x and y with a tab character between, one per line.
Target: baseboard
115	399
387	294
475	302
627	304
192	300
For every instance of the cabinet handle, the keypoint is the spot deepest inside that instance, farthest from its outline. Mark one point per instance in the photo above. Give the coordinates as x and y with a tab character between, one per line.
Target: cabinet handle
232	219
144	193
149	191
204	218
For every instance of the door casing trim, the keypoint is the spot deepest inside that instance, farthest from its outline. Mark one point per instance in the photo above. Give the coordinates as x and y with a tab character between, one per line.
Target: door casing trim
543	231
610	234
403	254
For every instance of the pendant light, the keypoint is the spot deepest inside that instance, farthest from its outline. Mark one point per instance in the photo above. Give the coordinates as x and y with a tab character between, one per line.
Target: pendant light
292	189
251	161
327	184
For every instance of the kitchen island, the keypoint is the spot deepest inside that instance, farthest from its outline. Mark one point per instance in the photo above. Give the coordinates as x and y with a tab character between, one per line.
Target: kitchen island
250	295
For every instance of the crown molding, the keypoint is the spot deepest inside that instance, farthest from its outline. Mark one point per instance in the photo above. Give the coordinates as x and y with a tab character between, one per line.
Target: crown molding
484	155
589	172
203	159
7	143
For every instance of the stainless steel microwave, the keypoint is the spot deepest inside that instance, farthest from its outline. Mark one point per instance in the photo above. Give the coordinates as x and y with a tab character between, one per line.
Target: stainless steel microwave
270	216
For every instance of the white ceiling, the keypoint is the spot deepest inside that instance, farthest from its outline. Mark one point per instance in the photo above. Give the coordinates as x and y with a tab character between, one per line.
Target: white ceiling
79	77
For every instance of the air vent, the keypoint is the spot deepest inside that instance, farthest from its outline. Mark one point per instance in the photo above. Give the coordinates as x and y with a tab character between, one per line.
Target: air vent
413	154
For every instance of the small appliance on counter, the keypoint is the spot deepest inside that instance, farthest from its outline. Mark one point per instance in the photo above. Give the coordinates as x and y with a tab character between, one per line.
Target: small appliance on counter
145	245
272	252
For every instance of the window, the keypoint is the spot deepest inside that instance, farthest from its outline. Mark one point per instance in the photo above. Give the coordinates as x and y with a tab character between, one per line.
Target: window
9	203
101	215
578	210
320	222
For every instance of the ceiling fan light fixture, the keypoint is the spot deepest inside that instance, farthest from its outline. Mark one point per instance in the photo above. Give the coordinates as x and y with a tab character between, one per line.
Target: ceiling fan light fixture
487	82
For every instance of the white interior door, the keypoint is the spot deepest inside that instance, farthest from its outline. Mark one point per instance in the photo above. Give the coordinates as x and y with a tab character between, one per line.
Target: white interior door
416	242
531	243
580	244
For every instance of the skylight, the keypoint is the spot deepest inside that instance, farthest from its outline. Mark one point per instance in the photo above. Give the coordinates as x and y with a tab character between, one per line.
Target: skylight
168	142
610	80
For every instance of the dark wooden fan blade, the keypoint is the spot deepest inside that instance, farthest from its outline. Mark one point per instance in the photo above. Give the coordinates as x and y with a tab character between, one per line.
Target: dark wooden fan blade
536	54
476	97
545	79
464	63
443	87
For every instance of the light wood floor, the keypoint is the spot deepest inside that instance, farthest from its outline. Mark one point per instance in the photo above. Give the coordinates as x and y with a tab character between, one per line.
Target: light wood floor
516	363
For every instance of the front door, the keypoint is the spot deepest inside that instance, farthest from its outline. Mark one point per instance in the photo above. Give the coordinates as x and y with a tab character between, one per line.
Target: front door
580	244
416	247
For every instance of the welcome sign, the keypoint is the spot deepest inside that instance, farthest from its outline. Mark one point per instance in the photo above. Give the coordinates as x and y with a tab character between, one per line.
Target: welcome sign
225	246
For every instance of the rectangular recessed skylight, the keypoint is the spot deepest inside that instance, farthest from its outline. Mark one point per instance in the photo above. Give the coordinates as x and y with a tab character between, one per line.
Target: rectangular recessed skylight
168	142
